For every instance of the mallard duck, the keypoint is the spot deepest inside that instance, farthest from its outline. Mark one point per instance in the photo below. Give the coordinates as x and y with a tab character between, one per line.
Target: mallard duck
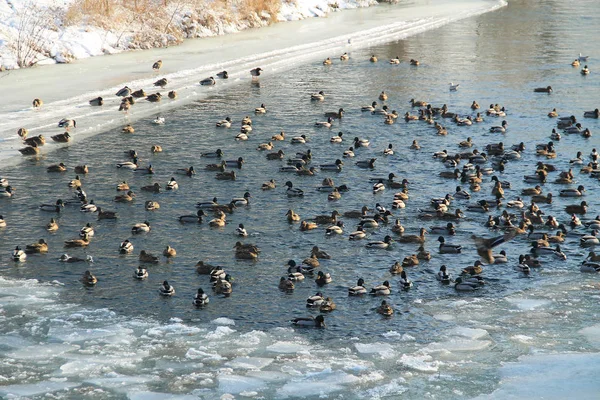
315	301
328	305
157	65
308	226
7	192
88	279
366	163
89	207
57	207
404	282
126	247
125	198
140	273
410	261
464	285
18	254
314	322
323	278
532	191
141	227
151	205
133	164
387	241
461	194
547	89
67	123
443	275
169	252
585	70
414	62
381	290
538	250
577	208
30	150
413	238
210	81
292	191
260	110
39	247
572	192
344	57
286	284
145	256
61	167
474	269
373	58
166	289
218	222
82	242
592	114
385	309
37	103
192	218
484	246
589	240
499	129
335	229
62	138
320	96
447	248
226	176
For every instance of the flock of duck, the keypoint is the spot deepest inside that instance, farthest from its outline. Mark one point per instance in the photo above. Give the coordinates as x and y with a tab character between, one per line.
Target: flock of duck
505	216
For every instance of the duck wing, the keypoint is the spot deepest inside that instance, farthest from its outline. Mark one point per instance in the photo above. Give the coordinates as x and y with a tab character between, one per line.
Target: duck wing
484	246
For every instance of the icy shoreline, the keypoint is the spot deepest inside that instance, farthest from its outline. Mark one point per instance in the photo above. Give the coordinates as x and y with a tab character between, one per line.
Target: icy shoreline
49	32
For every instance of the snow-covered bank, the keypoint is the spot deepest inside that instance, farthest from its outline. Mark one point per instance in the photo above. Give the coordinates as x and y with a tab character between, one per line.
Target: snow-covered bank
59	31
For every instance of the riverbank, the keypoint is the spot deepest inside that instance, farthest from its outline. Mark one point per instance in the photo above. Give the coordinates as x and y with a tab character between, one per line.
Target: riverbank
61	31
66	88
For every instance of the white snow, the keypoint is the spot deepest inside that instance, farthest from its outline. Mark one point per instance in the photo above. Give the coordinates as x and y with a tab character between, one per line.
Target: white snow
61	43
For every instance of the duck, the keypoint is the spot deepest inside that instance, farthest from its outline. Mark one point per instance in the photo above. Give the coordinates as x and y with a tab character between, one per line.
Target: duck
166	289
366	163
336	166
387	241
89	279
547	89
57	207
147	257
414	62
397	227
465	286
446	248
315	301
573	192
80	242
335	229
219	221
538	250
226	176
68	259
313	322
585	70
592	114
18	254
61	167
286	284
385	309
404	282
125	198
151	205
499	129
358	234
126	247
323	278
308	226
30	150
381	290
7	192
577	208
388	151
141	227
553	113
39	247
410	261
413	238
325	124
370	108
292	191
589	240
262	109
359	289
89	207
461	194
132	165
67	123
344	57
349	153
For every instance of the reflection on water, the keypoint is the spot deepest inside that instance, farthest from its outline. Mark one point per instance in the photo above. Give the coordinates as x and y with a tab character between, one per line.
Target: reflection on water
497	58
